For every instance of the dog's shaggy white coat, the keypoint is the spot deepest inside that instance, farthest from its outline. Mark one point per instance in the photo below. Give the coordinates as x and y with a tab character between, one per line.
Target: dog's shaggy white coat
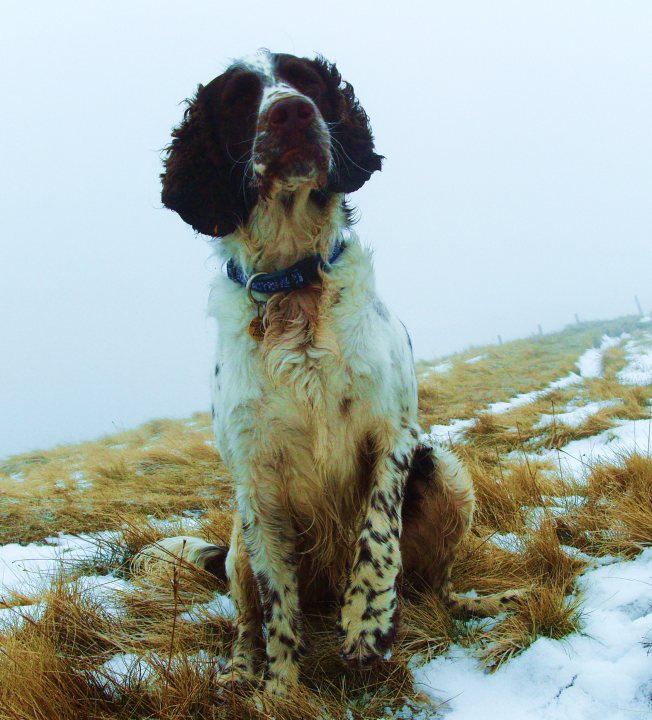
316	418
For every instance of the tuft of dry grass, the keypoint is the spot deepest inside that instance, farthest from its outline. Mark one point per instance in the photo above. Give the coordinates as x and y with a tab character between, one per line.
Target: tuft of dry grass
428	628
549	612
546	562
616	518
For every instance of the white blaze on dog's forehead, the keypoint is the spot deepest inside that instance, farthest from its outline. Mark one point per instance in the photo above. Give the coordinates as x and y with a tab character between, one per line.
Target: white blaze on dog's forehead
260	63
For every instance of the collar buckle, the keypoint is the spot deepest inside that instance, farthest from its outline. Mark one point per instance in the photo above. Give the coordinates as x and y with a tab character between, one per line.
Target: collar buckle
249	290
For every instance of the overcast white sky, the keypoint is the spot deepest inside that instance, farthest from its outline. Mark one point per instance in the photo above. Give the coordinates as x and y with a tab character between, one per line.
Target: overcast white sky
516	189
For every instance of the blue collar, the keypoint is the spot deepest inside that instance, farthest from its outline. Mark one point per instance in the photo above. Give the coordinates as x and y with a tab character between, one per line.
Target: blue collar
300	275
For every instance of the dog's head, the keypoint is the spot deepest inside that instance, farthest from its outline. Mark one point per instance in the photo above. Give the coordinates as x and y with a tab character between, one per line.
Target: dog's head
270	125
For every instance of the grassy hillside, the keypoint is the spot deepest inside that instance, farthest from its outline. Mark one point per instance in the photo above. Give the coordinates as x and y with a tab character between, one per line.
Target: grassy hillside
164	478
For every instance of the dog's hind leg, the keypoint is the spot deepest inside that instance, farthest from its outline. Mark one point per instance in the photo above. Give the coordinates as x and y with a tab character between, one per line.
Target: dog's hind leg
180	551
437	513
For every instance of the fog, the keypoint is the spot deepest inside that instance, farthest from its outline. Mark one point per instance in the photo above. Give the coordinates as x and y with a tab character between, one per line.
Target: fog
516	189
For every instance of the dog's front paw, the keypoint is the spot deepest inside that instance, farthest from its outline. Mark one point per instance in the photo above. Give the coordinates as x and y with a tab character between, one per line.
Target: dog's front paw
367	628
278	687
238	675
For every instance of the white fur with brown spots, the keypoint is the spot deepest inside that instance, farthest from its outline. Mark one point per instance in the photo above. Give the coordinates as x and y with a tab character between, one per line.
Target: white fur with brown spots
336	496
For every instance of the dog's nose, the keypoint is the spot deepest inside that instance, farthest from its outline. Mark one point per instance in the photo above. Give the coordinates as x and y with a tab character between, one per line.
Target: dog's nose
292	113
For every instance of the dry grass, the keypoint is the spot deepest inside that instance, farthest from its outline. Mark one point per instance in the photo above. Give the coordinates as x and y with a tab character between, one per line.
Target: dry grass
164	468
507	370
54	653
616	518
547	613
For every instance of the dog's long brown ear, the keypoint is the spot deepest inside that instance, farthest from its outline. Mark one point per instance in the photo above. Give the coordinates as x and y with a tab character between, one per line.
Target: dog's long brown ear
353	142
197	182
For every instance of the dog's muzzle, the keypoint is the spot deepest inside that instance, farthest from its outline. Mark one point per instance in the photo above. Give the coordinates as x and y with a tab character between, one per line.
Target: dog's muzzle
292	144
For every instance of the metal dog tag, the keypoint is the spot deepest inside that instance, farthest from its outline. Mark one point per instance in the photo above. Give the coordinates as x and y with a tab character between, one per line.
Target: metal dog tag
256	329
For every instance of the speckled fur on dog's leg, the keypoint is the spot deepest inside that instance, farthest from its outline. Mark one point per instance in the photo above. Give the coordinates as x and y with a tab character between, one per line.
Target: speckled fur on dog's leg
241	667
369	614
271	544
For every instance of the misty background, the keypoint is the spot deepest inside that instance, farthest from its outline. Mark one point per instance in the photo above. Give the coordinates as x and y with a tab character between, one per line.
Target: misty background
516	189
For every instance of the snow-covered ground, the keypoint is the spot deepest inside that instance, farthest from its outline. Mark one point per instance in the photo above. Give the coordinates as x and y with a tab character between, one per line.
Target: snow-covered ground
577	457
604	673
638	370
28	568
575	414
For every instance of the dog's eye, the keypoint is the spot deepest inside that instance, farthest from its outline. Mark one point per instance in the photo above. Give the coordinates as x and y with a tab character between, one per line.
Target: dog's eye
241	87
304	79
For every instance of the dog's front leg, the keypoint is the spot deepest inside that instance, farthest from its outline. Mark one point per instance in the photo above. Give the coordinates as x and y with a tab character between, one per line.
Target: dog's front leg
244	593
271	544
370	607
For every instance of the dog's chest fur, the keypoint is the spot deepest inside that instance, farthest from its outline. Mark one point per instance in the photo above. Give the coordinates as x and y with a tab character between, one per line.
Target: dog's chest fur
311	407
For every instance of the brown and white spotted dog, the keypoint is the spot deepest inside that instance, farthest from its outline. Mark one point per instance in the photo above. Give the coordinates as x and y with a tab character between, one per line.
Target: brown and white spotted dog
314	397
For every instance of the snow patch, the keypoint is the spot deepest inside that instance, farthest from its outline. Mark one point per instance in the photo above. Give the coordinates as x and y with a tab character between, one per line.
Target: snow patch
474	360
220	605
104	589
81	480
439	369
498	408
576	416
15	617
130	670
638	370
590	362
579	456
453	432
184	524
511	542
601	673
124	670
29	568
